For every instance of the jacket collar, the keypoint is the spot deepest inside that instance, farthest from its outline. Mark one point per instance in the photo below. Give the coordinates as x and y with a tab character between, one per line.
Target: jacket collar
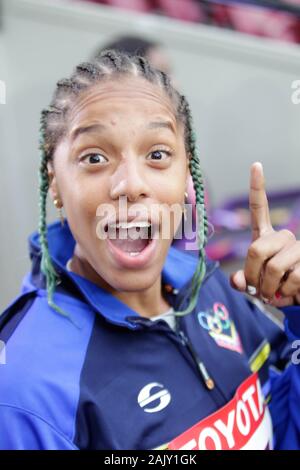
178	270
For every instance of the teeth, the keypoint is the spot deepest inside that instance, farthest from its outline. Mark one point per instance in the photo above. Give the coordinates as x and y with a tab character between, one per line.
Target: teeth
125	225
134	253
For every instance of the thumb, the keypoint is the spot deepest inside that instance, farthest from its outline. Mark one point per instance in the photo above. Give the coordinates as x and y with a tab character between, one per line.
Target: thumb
238	281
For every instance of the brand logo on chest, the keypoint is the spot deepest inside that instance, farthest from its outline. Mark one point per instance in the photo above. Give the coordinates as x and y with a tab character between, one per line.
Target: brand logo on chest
220	327
153	398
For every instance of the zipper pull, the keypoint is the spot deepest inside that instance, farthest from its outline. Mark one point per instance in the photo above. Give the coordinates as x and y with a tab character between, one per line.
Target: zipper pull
208	381
210	384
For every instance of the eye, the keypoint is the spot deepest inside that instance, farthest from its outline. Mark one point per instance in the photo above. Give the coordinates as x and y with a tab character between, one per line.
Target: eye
159	155
94	159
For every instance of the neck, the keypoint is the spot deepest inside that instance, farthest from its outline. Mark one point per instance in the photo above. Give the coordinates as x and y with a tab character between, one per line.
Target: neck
147	302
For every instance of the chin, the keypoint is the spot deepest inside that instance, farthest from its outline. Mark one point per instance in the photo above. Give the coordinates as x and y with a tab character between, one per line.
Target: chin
133	282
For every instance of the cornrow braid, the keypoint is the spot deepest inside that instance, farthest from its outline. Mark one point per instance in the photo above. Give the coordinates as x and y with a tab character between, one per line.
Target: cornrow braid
88	68
46	264
165	80
54	126
144	65
115	59
202	222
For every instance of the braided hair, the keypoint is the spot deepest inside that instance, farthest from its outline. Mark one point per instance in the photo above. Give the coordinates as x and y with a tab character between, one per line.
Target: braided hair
111	64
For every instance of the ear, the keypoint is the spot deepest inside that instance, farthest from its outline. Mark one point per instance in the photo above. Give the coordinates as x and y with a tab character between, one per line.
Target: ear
53	188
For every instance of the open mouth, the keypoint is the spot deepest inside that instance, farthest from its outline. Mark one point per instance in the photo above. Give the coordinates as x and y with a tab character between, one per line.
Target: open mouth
132	237
132	243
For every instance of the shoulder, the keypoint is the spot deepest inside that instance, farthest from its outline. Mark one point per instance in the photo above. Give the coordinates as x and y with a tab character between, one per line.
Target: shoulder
25	430
44	355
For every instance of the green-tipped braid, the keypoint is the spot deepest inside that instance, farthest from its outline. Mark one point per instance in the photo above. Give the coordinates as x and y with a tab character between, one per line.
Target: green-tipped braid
47	267
202	222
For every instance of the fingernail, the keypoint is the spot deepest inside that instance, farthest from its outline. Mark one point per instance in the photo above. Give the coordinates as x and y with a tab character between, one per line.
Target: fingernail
251	290
258	164
265	300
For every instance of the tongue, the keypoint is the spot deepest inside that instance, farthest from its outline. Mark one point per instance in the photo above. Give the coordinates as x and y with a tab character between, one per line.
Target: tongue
131	240
130	246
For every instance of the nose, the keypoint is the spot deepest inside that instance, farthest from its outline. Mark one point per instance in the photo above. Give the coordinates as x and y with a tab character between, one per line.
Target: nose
128	181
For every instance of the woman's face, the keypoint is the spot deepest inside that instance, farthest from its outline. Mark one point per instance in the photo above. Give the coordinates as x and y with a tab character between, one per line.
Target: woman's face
123	159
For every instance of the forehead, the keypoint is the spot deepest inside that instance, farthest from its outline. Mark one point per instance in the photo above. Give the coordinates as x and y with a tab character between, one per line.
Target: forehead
120	97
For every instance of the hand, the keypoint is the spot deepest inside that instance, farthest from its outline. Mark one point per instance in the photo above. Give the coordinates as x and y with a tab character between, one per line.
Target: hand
272	266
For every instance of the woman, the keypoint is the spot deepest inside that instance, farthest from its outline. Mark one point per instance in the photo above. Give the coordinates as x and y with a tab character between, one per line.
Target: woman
119	341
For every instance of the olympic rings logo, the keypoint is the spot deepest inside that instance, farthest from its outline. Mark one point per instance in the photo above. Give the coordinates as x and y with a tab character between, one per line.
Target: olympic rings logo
215	320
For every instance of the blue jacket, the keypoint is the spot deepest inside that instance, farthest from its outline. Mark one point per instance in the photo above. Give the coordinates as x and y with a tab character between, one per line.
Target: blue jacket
110	379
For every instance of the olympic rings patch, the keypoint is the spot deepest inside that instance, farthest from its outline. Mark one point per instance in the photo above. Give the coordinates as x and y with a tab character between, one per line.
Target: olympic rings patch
220	327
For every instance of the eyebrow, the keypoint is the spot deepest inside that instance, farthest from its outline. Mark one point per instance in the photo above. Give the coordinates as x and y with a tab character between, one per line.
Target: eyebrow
100	127
86	129
161	124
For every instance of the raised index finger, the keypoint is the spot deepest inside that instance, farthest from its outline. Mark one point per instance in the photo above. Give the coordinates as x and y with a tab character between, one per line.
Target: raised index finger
258	202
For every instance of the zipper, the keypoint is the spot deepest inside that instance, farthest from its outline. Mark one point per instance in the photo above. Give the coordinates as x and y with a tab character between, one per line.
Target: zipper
206	378
218	396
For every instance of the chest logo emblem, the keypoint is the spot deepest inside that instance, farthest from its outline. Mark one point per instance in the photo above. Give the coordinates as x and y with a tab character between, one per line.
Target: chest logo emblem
153	397
220	327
